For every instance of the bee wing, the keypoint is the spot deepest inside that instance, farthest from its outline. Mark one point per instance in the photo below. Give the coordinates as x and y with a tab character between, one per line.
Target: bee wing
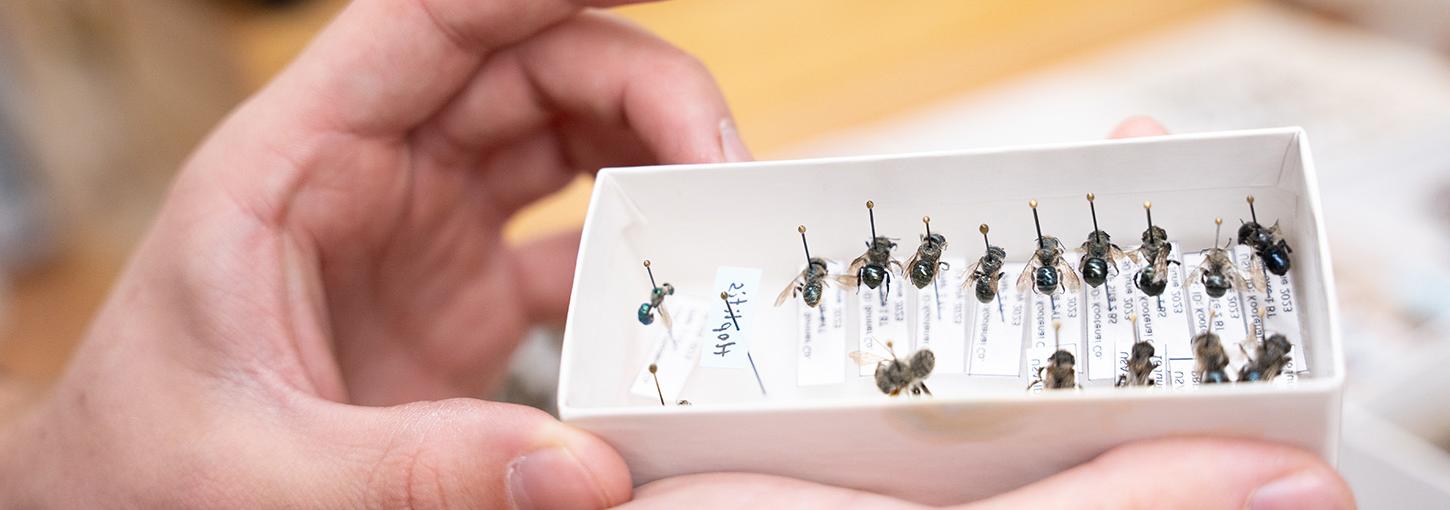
857	264
1025	279
1118	254
911	261
790	288
665	316
866	359
1069	275
849	281
1236	276
897	263
1196	275
969	277
1256	273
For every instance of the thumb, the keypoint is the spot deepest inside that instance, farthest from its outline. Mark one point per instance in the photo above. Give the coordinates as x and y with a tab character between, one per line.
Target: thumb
1189	473
466	453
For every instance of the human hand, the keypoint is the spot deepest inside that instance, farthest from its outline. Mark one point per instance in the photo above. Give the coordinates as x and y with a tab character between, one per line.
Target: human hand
335	242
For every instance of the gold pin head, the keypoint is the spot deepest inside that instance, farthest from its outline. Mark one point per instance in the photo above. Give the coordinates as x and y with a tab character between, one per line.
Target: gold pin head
1092	197
1250	199
1032	203
801	229
1148	204
653	368
870	204
1218	221
926	219
983	228
1133	318
646	262
725	296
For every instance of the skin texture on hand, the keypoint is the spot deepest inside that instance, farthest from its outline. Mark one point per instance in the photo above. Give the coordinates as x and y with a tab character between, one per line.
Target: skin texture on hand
327	275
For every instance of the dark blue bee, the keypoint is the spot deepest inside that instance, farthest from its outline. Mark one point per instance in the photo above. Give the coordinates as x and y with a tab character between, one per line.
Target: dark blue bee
985	275
1155	251
1100	256
656	303
1047	272
1217	273
873	268
1271	251
923	265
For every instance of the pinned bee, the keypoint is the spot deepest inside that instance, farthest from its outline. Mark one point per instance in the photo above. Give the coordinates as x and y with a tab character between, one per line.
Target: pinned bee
656	302
1152	279
987	272
1099	255
1211	358
810	284
1268	359
894	376
1271	251
1059	372
873	268
1217	272
922	267
1140	360
1047	272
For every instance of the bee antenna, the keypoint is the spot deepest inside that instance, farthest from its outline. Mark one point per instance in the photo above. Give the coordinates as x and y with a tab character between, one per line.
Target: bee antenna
802	229
871	211
653	368
927	221
1040	242
1252	215
984	230
651	272
1094	208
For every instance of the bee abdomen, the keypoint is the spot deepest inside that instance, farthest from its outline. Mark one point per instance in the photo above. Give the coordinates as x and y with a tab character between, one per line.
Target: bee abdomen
1095	271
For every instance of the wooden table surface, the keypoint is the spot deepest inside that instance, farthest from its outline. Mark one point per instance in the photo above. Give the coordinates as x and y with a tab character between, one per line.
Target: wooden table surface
791	70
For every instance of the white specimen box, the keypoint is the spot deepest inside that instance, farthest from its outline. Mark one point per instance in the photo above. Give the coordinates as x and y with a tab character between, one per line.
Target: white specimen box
978	435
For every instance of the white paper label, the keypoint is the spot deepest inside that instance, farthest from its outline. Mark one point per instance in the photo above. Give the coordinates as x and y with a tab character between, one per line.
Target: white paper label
1106	322
1182	370
1163	319
1281	312
883	319
822	334
997	329
674	355
941	318
1064	307
731	325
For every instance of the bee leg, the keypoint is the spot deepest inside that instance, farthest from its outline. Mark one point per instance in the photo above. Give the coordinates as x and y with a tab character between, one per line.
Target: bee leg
924	388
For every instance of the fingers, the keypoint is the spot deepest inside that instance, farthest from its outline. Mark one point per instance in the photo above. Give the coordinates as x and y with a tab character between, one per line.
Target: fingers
386	63
634	83
1189	473
741	490
546	275
465	453
1136	126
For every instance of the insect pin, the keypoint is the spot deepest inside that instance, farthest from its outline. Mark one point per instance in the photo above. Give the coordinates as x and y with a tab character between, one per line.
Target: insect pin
894	376
735	321
1059	372
1208	350
923	265
1047	272
1140	360
1217	273
1269	357
654	374
656	302
811	282
1099	255
1271	251
985	275
1152	279
873	268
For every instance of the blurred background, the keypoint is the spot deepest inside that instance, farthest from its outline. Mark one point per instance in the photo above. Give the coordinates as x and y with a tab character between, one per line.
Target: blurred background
101	100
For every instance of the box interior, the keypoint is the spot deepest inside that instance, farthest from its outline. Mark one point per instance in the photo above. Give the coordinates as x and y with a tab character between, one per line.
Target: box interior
690	219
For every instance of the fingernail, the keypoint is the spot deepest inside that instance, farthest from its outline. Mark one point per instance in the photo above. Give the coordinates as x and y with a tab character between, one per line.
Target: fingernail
1312	489
552	478
730	143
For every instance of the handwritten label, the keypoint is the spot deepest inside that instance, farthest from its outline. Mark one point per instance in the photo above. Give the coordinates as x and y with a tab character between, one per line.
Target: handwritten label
1163	319
941	318
883	318
674	356
822	334
997	329
728	346
1106	322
